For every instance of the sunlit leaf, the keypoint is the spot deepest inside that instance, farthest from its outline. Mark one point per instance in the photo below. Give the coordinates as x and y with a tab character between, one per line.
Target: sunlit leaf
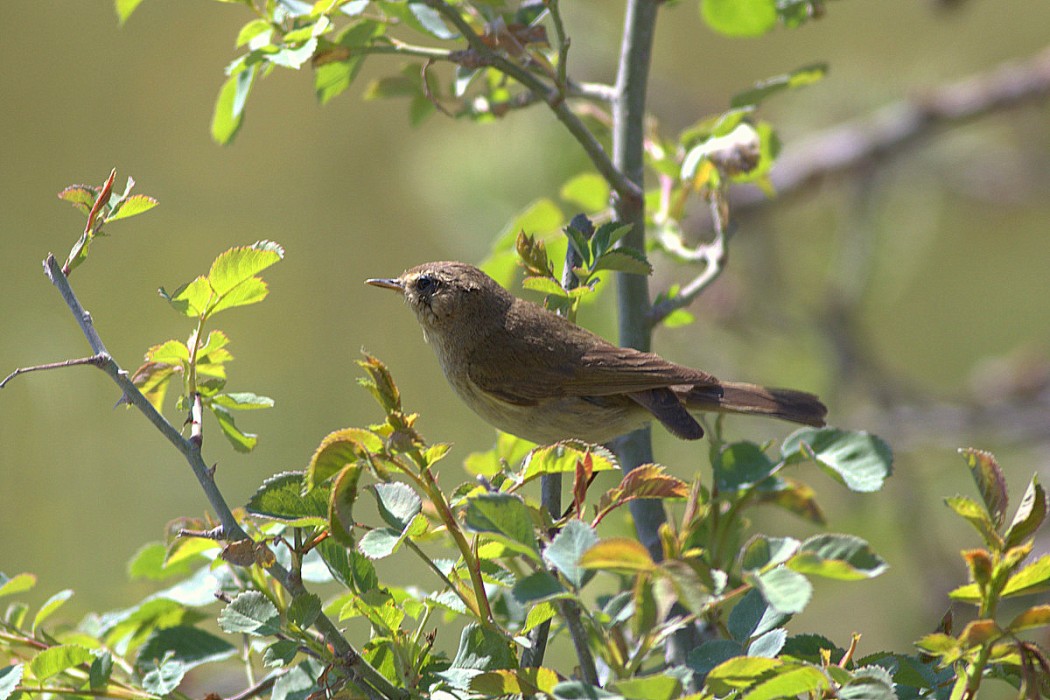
618	554
990	481
842	557
132	206
339	449
859	460
16	584
1031	513
785	590
241	441
806	75
56	659
505	517
250	612
281	498
568	547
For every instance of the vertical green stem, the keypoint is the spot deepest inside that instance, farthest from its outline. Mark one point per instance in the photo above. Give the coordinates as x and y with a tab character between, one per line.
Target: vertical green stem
633	290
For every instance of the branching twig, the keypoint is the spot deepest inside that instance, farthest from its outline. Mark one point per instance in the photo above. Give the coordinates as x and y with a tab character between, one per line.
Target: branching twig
625	187
371	681
96	360
713	255
895	127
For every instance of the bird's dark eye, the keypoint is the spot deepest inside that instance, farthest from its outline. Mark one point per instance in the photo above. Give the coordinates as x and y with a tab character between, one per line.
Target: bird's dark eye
426	284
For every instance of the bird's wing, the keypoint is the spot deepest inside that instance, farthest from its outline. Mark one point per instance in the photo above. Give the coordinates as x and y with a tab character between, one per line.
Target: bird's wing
543	363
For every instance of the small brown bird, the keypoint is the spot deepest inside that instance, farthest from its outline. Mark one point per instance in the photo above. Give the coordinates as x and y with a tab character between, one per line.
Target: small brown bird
534	374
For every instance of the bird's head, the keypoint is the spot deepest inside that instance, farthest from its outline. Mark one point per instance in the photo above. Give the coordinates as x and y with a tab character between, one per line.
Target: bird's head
448	295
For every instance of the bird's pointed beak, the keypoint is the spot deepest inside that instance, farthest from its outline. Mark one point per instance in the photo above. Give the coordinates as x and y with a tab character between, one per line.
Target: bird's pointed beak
387	283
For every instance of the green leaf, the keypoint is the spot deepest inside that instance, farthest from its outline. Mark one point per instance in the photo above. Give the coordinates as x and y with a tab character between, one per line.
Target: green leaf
125	8
857	459
710	654
300	682
786	591
340	449
333	78
380	542
544	285
280	498
753	617
80	196
763	552
806	75
189	646
626	260
524	681
483	649
18	584
792	681
100	672
618	554
250	613
536	587
341	504
293	56
50	606
578	690
250	291
132	206
241	441
977	516
398	504
239	265
280	653
506	518
588	191
740	672
740	17
841	557
191	299
429	20
740	465
1034	578
229	107
253	29
56	659
304	610
163	677
10	678
566	549
242	401
652	687
172	352
990	482
1032	618
768	645
1030	514
561	457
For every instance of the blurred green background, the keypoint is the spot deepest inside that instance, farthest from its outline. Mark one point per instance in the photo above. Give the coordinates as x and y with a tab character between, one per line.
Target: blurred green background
936	260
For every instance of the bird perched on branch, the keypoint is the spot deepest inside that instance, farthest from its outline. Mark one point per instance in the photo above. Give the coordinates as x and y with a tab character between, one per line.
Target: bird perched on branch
534	374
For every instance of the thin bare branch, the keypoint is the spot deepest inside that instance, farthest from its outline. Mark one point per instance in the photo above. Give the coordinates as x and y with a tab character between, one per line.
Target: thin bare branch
95	360
893	129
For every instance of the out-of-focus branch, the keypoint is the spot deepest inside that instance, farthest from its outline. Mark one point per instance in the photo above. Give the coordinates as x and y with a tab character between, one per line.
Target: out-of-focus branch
896	127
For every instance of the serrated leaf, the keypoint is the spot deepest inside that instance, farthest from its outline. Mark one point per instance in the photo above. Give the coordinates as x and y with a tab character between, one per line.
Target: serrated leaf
250	612
976	515
239	265
380	542
990	482
1032	618
163	677
10	678
568	547
189	646
651	687
191	299
841	557
859	460
54	660
545	285
753	616
626	260
739	672
341	504
339	449
241	441
281	498
536	587
304	610
523	681
132	206
280	653
741	465
792	681
1034	578
398	504
229	107
646	481
504	517
16	584
300	682
762	552
785	590
50	606
242	401
80	196
1031	513
618	554
561	457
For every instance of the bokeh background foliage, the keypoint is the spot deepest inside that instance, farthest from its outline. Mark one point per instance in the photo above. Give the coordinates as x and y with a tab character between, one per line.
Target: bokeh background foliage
938	255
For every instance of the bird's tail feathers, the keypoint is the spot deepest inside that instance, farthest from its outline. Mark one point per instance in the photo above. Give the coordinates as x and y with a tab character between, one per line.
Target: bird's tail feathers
752	399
